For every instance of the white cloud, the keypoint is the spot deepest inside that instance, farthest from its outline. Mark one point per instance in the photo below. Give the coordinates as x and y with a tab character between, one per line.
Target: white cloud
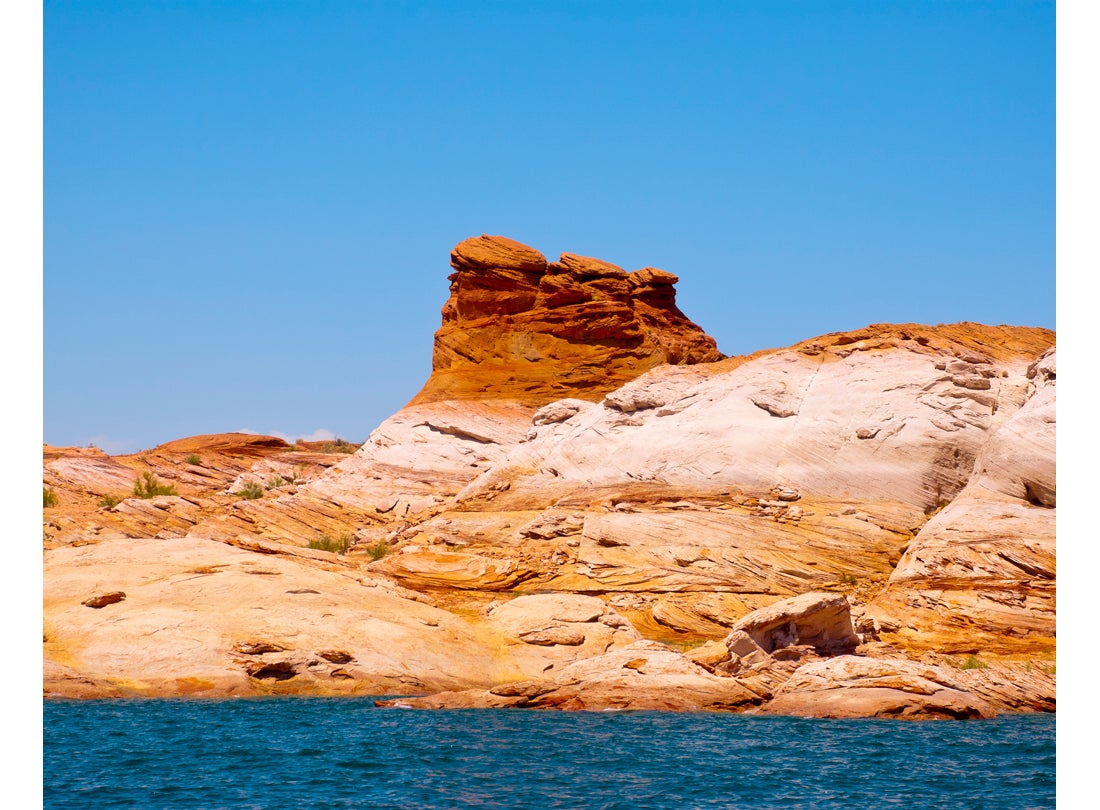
319	435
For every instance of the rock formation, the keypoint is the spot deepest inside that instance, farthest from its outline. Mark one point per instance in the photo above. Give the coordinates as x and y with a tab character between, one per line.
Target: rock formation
520	328
860	524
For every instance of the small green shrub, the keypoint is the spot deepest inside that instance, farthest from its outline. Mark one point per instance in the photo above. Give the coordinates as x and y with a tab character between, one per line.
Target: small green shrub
378	550
275	482
194	460
686	644
339	545
847	578
973	662
338	445
149	487
251	491
49	497
110	501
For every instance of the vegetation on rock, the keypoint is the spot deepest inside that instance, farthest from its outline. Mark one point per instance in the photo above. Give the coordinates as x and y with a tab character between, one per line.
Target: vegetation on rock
149	487
338	545
251	491
339	445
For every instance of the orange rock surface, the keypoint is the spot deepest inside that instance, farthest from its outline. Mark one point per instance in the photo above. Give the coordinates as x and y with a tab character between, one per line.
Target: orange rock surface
519	327
584	486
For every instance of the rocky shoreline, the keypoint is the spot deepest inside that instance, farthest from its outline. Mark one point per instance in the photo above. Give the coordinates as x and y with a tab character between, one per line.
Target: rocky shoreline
589	507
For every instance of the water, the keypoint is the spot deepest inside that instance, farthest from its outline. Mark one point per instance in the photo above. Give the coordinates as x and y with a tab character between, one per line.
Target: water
316	752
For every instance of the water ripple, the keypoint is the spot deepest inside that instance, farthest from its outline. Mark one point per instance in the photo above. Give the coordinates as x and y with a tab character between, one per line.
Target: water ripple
315	752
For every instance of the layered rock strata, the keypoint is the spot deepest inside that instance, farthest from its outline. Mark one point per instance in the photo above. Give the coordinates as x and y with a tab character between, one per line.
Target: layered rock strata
847	523
520	328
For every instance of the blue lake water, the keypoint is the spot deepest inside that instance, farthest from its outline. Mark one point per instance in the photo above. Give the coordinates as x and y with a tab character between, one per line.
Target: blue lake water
318	752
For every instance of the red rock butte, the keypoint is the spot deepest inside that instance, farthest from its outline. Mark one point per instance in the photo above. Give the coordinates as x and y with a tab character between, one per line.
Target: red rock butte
520	328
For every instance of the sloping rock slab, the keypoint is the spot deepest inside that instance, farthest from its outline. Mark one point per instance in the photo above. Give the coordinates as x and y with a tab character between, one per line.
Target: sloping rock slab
644	675
441	569
851	686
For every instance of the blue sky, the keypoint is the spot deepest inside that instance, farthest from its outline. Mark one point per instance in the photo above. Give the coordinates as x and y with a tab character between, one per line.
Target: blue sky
248	207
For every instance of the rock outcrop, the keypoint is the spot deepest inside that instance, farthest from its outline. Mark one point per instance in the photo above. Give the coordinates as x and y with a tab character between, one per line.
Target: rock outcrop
644	675
821	620
851	686
980	575
860	524
520	328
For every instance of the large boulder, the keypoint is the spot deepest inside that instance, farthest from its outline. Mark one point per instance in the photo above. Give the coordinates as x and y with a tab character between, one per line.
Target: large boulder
820	620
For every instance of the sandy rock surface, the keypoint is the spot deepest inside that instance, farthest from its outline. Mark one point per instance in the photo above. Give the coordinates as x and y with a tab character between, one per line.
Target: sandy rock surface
584	473
849	686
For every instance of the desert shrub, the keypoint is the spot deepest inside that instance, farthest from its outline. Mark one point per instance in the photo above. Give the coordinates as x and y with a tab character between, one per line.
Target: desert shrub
338	445
378	550
973	662
110	501
194	460
149	487
847	578
339	545
275	482
251	491
49	497
686	644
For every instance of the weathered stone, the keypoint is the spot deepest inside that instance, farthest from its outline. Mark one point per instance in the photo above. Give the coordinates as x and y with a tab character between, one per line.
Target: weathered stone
257	647
645	492
549	636
849	686
336	656
103	599
741	644
822	620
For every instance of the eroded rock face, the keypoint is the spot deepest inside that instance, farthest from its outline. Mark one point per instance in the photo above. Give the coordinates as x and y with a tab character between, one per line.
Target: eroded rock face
851	686
643	675
521	328
883	418
820	620
204	617
980	575
562	495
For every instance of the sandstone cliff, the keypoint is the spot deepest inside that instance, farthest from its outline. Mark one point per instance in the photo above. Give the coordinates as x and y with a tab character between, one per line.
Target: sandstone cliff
581	441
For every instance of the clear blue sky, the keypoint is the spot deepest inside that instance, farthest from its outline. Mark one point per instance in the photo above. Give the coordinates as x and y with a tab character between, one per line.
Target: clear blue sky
249	206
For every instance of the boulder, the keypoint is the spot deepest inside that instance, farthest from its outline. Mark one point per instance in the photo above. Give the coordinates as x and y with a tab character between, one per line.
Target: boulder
100	600
820	620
